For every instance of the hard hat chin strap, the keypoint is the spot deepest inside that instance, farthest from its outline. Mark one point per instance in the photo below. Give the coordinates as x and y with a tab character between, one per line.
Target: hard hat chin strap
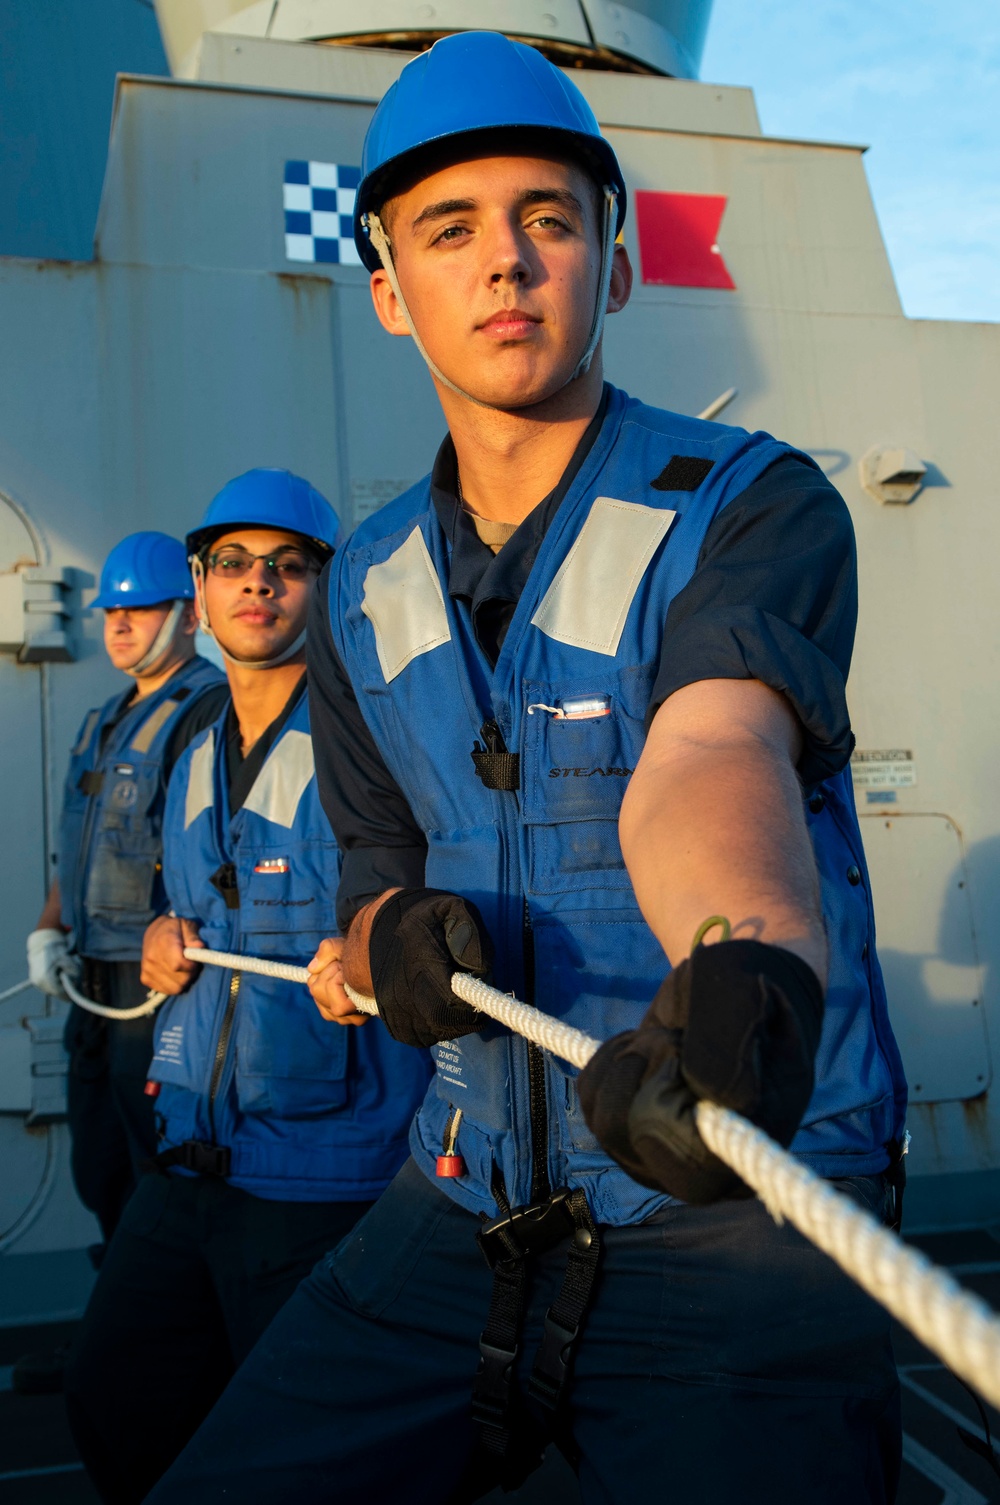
383	246
266	663
198	573
150	663
604	286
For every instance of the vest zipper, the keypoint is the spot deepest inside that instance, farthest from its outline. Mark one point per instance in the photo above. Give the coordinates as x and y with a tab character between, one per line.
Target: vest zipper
221	1050
538	1107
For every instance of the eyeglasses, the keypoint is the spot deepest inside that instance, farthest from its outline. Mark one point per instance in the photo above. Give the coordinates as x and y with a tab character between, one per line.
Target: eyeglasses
286	563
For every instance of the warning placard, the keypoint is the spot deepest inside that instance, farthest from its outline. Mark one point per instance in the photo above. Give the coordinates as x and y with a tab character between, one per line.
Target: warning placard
884	768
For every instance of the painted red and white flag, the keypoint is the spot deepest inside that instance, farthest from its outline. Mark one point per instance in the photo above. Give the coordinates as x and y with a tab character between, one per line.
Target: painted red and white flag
677	239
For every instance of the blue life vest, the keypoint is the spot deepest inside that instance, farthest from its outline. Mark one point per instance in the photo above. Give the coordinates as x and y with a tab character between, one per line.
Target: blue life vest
109	834
310	1111
570	692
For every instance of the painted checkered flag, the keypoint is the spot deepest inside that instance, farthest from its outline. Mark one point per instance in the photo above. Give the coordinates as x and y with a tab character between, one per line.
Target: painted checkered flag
319	212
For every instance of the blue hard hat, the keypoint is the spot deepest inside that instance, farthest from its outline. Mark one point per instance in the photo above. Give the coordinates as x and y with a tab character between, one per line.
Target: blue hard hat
143	570
269	499
476	81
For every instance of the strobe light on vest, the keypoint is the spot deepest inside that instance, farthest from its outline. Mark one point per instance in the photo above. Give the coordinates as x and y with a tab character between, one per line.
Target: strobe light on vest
579	708
450	1163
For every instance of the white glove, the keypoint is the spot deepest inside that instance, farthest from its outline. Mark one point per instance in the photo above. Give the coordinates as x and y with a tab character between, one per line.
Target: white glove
48	952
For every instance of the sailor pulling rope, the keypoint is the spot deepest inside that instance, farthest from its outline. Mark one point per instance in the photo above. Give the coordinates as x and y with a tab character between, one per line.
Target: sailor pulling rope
954	1324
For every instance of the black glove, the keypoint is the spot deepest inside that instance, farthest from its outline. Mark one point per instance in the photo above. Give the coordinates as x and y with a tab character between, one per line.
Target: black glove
419	939
737	1023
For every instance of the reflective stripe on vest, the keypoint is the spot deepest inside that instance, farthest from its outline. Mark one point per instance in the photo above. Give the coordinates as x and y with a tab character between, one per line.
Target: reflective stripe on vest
405	604
281	783
589	599
199	793
143	739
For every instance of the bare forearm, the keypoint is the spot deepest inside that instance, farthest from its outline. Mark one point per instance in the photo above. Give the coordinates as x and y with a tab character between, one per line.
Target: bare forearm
715	826
50	917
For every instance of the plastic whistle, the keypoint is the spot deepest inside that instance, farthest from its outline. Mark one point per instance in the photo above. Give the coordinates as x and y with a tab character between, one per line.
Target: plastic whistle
449	1164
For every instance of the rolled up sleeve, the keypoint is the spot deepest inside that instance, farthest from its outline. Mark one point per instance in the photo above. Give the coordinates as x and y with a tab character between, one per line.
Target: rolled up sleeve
774	598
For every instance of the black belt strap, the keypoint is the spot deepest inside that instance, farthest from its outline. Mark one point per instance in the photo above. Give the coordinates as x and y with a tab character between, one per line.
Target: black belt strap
194	1155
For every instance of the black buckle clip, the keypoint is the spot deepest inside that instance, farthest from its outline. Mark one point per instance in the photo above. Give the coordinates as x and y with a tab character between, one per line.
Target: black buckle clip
206	1159
491	1387
552	1361
527	1230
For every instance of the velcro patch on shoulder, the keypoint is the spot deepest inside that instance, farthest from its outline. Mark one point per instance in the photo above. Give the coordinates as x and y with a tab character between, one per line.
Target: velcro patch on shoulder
682	473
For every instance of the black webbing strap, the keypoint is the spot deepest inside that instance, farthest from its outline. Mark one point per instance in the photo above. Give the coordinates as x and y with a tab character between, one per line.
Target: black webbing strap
494	765
564	1318
497	1408
896	1177
90	782
498	770
224	879
194	1155
494	1389
508	1434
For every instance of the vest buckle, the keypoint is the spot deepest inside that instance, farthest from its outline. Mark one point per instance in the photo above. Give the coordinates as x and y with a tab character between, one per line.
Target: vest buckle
491	1394
197	1156
525	1231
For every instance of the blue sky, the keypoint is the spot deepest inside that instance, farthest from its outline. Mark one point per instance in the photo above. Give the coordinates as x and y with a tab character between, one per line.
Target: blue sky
919	84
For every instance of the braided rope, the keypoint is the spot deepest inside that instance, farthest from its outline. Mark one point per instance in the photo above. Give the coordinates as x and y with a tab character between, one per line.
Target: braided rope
257	964
551	1034
953	1323
149	1006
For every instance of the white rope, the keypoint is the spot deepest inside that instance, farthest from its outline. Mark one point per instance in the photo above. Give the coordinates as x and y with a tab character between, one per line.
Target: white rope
238	963
19	987
560	1039
152	1003
953	1323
